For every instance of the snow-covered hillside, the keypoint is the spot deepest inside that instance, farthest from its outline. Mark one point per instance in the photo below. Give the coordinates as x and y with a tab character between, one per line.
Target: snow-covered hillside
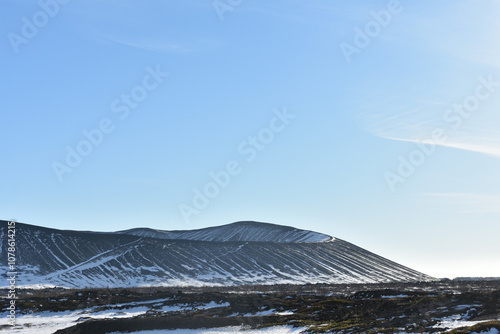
87	259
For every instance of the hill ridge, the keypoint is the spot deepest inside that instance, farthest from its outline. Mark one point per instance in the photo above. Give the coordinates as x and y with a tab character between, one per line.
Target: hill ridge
237	231
67	258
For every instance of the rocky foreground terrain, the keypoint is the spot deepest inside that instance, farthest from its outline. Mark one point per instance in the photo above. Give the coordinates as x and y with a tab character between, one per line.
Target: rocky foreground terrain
429	307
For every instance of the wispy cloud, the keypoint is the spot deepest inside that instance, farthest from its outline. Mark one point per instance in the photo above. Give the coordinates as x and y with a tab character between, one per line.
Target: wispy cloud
468	203
164	27
463	33
485	145
466	29
151	45
411	118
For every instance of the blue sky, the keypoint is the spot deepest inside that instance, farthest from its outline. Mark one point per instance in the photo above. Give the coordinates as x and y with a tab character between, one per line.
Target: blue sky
372	121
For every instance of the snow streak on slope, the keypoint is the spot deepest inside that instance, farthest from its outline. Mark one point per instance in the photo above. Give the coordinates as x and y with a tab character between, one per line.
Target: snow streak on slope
239	231
79	259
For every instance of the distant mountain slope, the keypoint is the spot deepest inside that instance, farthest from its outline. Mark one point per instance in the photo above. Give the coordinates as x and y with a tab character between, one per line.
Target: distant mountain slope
239	231
80	259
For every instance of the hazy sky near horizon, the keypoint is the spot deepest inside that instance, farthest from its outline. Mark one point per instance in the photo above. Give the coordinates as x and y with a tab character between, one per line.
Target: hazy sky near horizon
376	122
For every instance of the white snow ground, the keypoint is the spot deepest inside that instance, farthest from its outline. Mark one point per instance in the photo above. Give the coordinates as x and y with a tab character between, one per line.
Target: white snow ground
49	322
455	321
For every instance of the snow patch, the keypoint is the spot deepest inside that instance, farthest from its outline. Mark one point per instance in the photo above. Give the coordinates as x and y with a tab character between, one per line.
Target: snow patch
395	296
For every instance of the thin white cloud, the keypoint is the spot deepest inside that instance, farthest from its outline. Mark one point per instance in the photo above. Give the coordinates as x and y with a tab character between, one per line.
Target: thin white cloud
143	26
478	37
464	30
467	29
483	145
157	46
412	119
